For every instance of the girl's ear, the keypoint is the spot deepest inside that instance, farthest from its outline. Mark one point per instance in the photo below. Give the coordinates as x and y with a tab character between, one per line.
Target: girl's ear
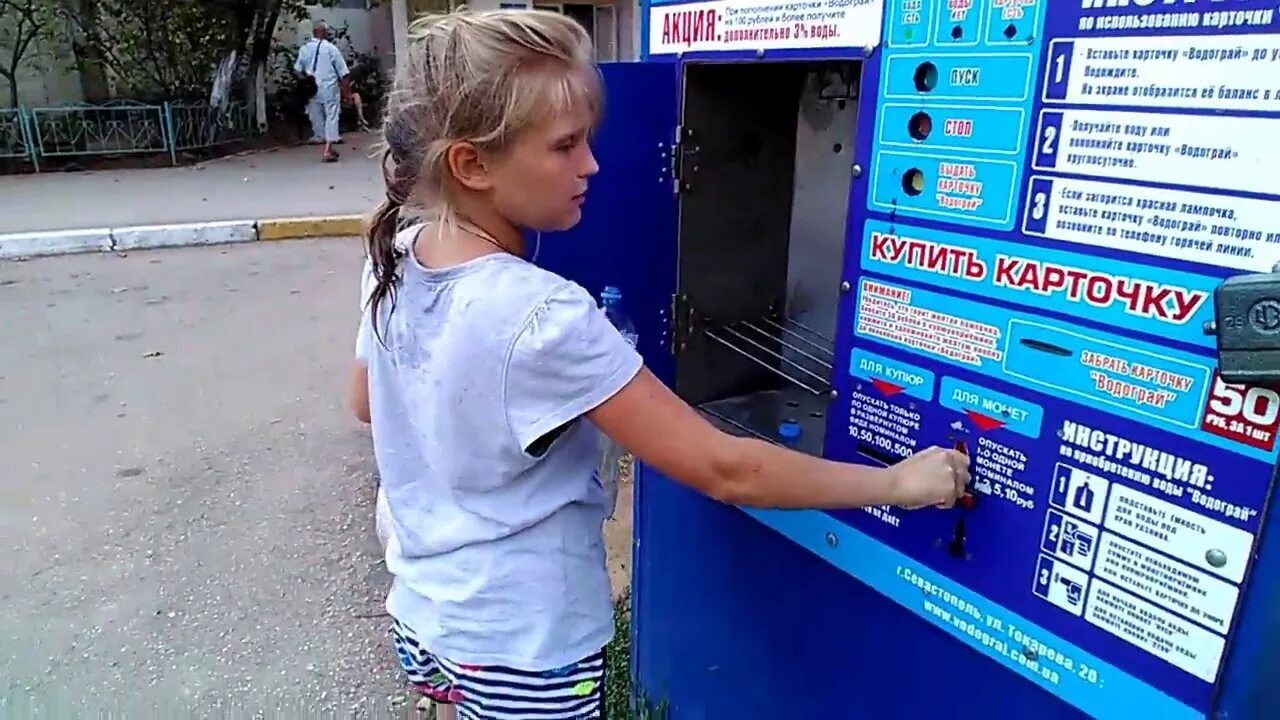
467	166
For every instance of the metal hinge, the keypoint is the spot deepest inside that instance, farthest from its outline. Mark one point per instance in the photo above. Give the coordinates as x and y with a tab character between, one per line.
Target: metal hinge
683	151
681	322
674	168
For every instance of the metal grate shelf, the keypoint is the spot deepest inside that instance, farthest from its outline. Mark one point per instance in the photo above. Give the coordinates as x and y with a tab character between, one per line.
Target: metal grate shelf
790	350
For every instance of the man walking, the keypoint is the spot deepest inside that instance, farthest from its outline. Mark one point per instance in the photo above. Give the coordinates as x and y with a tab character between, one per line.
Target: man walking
320	62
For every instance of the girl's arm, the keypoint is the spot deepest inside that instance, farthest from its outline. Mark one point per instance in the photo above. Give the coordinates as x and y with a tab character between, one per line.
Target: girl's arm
649	420
358	391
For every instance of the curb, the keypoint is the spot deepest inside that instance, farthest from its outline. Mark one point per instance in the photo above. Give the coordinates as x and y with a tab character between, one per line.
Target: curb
148	237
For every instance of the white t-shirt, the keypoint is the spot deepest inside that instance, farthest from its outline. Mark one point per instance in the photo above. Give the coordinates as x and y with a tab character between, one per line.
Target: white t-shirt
328	64
498	554
381	512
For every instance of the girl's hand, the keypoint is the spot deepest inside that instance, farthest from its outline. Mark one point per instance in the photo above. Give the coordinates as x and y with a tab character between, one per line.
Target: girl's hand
933	477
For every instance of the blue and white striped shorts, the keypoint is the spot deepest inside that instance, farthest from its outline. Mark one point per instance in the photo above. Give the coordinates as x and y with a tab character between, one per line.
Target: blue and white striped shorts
573	692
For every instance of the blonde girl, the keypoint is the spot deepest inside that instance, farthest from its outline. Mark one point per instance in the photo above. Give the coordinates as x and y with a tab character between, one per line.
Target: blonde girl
489	381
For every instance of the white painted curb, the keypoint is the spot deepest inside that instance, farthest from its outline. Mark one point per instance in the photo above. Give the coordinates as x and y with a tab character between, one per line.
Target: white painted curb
57	242
148	237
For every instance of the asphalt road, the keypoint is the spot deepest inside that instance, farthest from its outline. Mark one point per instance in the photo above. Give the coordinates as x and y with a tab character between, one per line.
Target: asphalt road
186	518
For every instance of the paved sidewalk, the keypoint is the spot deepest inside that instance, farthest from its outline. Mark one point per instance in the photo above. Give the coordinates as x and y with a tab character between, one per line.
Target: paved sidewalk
287	182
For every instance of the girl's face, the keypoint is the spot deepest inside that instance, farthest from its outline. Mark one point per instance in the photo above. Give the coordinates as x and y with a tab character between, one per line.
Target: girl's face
540	181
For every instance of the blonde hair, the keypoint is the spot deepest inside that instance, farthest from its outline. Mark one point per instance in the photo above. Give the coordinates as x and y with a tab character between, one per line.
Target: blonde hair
477	77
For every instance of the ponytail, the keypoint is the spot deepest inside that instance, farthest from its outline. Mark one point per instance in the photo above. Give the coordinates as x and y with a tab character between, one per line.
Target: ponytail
380	245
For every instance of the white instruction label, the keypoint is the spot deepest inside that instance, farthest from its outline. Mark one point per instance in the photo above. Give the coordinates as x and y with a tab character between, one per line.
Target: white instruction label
1061	584
1069	539
764	25
1213	151
1179	642
1079	492
1218	230
1222	72
1166	582
1195	539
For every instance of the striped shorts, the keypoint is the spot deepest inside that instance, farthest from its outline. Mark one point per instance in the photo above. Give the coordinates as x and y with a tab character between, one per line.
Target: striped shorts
490	692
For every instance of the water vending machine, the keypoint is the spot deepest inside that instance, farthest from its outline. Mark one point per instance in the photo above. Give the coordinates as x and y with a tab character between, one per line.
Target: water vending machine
866	227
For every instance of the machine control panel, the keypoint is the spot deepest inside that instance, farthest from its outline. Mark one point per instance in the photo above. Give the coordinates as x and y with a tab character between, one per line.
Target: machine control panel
1057	199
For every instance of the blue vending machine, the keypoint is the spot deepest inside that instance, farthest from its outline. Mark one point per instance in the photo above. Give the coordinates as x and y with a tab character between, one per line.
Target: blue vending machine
866	227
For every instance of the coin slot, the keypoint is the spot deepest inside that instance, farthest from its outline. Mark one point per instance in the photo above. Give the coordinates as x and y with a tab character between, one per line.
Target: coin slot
956	548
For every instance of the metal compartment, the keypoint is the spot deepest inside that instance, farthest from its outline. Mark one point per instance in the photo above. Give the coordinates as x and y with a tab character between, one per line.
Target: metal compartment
764	169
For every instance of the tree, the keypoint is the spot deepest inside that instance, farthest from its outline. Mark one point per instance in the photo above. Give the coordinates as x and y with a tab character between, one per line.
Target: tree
166	49
22	24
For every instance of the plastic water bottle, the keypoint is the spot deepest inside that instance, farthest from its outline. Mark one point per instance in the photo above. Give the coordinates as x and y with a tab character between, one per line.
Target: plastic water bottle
611	301
612	456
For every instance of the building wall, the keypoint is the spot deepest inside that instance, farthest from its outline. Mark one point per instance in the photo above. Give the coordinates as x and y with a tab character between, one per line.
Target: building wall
626	14
45	77
370	31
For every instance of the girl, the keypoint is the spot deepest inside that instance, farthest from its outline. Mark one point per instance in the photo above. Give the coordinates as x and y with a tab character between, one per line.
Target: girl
490	379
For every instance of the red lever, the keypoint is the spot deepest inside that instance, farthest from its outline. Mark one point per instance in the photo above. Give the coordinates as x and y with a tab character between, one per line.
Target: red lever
967	501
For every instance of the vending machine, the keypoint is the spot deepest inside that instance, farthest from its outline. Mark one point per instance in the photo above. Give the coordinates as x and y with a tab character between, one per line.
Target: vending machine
862	228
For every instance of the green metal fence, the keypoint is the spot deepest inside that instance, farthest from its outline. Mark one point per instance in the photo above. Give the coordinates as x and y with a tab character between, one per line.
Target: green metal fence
120	127
15	142
198	126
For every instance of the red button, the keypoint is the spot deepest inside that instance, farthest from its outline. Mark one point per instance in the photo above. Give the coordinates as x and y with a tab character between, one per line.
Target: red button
967	501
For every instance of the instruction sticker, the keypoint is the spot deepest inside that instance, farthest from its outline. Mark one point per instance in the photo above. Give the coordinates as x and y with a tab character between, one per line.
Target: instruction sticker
1194	538
1189	592
1141	381
722	25
1216	230
1061	584
1212	151
1070	539
1179	642
1208	72
1148	383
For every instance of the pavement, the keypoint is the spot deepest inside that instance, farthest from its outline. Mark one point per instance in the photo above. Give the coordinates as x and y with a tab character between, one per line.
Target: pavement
188	506
187	521
240	198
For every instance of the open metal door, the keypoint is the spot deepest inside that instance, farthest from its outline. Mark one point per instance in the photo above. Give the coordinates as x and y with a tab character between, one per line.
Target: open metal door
627	237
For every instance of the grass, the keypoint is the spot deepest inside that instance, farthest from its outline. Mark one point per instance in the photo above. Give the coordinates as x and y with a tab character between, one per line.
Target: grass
617	659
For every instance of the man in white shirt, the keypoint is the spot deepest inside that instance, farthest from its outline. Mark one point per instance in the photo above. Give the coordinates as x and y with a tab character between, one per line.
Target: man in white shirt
321	60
